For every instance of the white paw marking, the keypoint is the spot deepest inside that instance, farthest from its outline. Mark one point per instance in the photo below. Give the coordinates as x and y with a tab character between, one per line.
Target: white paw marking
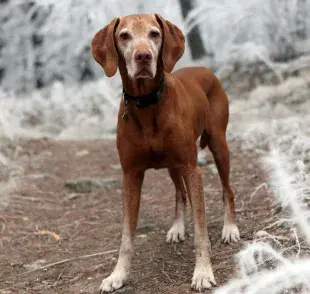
176	233
203	278
230	233
115	281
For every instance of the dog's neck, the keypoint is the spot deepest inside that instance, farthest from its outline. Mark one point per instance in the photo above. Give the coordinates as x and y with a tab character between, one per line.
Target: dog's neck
146	119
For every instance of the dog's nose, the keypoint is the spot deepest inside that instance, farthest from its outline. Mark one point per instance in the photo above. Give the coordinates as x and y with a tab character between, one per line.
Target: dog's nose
143	56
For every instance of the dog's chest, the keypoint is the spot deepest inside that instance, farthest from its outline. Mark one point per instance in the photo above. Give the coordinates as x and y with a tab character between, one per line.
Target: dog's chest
157	157
157	140
162	150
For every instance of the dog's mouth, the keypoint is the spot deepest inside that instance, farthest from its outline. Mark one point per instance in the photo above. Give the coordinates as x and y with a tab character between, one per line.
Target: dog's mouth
145	72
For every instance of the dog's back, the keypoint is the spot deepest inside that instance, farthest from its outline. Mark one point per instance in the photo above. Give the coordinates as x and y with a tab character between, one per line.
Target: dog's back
217	108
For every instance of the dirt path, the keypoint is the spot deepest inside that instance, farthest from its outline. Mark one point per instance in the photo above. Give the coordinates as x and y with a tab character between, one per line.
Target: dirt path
89	223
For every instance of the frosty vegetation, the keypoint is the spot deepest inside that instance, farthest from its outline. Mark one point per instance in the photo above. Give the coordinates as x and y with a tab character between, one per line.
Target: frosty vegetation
287	135
47	42
50	86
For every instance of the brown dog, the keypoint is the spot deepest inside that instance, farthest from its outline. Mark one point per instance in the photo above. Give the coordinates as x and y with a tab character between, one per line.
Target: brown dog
160	119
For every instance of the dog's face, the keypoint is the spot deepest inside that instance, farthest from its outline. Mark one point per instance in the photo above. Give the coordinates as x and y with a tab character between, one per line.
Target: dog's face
141	41
138	40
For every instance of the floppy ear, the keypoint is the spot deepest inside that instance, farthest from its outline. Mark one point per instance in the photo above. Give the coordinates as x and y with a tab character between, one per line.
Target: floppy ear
103	48
173	43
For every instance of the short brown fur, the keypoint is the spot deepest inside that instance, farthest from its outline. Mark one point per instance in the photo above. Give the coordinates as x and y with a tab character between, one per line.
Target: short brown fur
164	135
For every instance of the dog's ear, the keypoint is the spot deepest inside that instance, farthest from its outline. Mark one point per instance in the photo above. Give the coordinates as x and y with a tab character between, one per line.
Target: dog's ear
173	43
104	49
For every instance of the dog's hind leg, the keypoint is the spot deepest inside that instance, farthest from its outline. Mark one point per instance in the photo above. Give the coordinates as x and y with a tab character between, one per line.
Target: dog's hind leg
177	231
203	277
217	143
218	147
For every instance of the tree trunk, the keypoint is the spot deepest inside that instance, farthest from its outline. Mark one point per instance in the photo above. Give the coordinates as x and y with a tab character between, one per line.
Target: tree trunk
195	41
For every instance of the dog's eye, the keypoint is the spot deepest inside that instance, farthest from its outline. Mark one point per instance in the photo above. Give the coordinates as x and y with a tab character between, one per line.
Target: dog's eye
125	36
154	34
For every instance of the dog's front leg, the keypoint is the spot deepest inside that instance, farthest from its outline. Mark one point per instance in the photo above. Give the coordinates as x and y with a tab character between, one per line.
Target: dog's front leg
132	183
203	277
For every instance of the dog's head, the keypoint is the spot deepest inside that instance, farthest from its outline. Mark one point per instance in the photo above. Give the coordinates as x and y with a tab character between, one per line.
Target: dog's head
141	42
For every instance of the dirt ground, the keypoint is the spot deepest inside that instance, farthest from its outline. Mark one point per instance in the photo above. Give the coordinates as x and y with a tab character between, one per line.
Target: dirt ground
88	225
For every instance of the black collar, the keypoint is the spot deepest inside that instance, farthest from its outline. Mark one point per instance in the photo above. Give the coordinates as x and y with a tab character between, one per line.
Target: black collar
146	100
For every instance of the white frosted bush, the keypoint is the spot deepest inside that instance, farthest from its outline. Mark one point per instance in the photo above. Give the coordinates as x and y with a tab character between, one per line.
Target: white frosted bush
50	40
75	112
260	267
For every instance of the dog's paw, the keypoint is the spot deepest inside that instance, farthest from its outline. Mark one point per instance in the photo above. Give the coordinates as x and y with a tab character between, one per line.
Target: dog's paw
230	233
177	232
115	281
203	278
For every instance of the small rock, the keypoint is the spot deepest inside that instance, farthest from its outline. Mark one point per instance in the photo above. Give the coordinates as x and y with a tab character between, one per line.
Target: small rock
142	236
3	160
40	176
87	185
82	153
201	158
212	168
16	264
72	196
46	153
126	290
6	291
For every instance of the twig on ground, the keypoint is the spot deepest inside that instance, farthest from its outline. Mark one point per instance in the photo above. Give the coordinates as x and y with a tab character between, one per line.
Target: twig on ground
167	276
62	262
262	185
251	209
163	271
297	240
276	223
16	198
3	228
264	235
283	251
242	205
59	276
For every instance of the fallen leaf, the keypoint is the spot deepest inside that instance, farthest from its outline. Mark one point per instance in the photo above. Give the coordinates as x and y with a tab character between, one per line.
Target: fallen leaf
49	233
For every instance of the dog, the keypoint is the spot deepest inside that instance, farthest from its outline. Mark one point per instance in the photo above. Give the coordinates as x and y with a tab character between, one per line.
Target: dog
161	117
